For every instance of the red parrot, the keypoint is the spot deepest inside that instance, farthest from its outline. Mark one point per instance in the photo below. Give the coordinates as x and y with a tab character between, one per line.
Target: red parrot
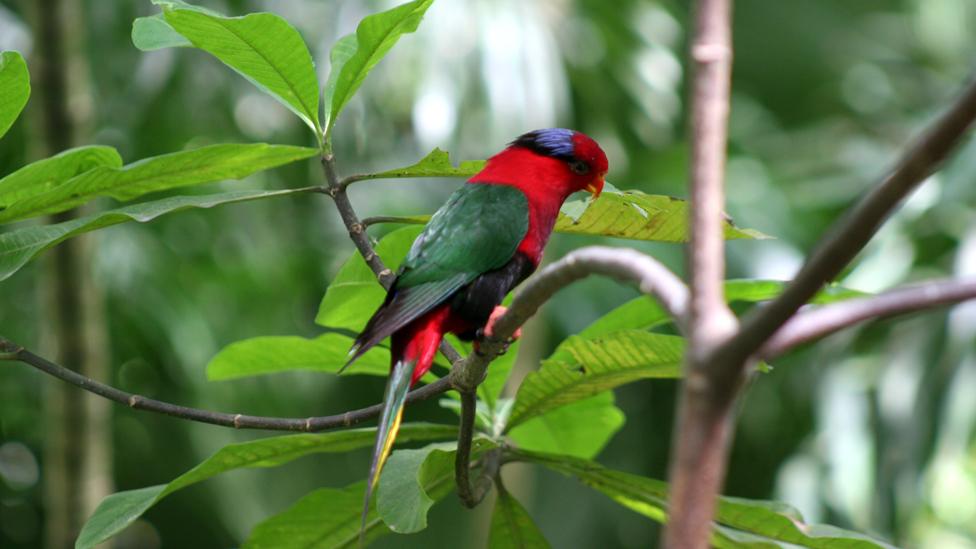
486	239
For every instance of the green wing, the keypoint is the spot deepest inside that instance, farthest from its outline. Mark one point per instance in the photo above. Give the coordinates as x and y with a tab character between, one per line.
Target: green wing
476	231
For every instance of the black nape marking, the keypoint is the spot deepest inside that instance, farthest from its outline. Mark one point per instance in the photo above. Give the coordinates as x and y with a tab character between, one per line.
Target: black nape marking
552	142
475	302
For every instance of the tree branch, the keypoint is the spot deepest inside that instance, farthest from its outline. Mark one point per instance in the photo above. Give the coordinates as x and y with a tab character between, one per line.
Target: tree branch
704	419
470	495
623	264
10	351
851	233
822	321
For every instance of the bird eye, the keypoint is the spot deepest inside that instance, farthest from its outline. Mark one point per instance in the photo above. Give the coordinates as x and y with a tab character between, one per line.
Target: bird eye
579	167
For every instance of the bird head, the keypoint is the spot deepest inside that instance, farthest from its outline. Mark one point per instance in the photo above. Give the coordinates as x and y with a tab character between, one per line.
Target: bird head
583	162
548	165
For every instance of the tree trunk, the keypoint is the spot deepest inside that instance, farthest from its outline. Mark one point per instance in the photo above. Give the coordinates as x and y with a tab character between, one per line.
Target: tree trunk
77	460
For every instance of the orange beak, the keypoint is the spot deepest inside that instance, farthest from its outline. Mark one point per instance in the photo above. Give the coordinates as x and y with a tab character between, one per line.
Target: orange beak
595	187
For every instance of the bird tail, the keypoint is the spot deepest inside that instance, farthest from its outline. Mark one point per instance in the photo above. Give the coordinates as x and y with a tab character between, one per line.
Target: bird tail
413	353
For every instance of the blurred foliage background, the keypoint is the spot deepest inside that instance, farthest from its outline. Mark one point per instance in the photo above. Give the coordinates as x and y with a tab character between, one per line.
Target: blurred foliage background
872	429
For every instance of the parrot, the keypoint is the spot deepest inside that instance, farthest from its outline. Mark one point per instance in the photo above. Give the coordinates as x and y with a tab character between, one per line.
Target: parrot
486	239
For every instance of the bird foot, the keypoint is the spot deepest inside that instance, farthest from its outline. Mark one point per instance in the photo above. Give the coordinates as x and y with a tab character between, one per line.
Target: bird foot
497	313
489	328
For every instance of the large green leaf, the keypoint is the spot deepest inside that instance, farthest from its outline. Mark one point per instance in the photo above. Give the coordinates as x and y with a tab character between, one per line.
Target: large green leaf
44	175
766	524
375	35
263	48
14	88
581	368
644	313
119	510
180	169
273	354
19	246
435	164
637	216
512	527
579	429
327	518
354	294
413	480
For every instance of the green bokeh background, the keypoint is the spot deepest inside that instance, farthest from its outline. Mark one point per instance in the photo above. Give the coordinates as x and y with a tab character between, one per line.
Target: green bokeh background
872	429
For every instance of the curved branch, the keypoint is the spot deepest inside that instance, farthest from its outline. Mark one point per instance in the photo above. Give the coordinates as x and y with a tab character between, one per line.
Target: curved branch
623	264
849	235
12	352
470	495
822	321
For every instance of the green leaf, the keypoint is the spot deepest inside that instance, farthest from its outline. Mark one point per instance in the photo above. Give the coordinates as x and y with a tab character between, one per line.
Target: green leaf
180	169
119	510
261	47
354	294
769	524
154	33
44	175
579	429
14	88
20	246
375	35
414	479
327	518
435	164
273	354
636	216
512	527
644	313
581	368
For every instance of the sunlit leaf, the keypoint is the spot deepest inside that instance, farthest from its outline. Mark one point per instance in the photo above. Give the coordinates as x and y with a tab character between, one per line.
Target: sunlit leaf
14	88
119	510
42	176
579	429
273	354
179	169
19	246
435	164
637	216
261	47
582	368
767	524
327	518
512	527
375	35
413	480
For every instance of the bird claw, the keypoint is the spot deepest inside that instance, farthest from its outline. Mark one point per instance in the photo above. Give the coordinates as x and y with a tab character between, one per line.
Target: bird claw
489	327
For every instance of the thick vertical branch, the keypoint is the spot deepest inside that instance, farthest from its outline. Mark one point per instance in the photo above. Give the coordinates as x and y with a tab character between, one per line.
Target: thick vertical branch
704	421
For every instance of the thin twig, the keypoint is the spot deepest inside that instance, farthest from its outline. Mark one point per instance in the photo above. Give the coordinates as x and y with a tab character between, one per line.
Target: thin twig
851	233
357	233
13	352
377	219
704	420
816	323
470	495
